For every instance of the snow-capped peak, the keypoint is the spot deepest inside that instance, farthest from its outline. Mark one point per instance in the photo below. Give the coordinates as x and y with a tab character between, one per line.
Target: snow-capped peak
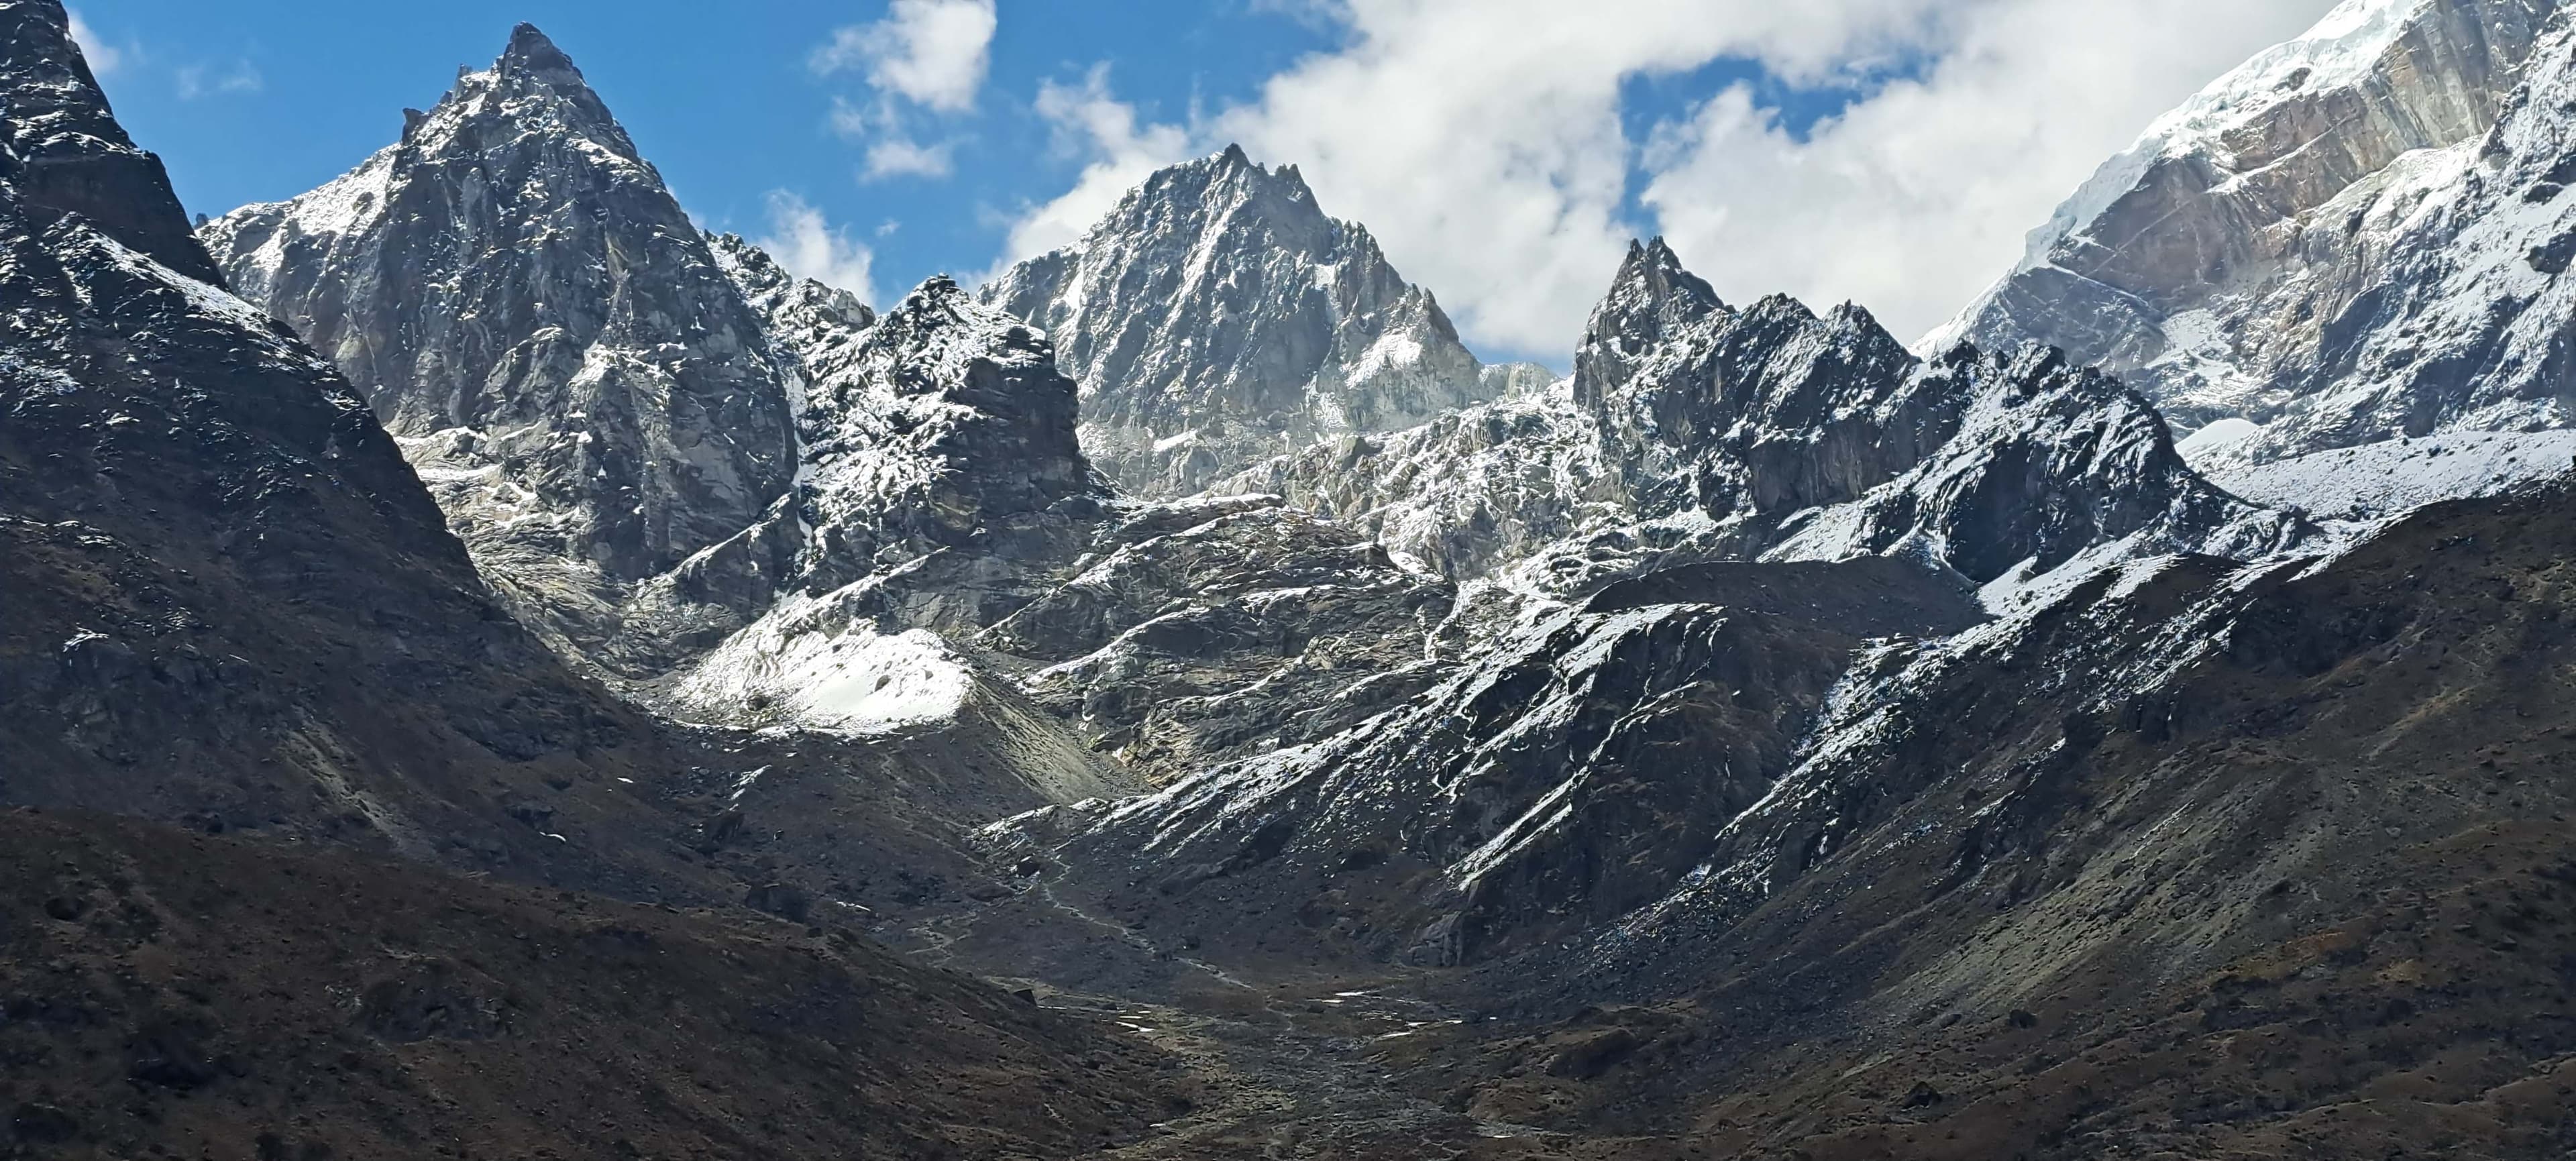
1217	317
2341	48
2213	263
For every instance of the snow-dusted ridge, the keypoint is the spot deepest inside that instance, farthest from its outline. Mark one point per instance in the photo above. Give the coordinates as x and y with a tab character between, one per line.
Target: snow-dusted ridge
1217	317
531	312
2343	47
2215	264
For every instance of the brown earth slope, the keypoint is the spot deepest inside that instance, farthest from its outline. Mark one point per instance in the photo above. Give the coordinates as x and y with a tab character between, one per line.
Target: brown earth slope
172	994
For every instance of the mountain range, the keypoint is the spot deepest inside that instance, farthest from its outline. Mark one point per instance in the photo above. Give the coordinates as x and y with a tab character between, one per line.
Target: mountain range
491	667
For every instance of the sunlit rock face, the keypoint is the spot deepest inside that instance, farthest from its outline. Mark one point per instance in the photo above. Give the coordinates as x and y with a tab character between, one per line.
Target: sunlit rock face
1218	317
531	312
2223	264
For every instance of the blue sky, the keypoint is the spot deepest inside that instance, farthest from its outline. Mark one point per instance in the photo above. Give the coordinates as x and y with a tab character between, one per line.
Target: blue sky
728	108
1502	150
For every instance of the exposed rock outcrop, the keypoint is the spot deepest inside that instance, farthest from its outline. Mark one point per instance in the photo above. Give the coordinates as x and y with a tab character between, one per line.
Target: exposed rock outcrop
567	363
2226	264
1217	317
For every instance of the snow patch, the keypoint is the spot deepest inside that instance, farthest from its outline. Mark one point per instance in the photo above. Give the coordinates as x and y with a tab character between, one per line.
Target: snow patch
2382	480
853	680
2202	446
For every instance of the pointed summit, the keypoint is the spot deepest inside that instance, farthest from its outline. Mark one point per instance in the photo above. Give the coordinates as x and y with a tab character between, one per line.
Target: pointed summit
573	294
1218	317
1653	267
1651	299
532	52
63	151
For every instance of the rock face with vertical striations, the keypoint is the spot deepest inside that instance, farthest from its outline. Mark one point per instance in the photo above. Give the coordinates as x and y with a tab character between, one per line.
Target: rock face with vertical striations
2226	263
2470	323
566	361
1218	317
229	601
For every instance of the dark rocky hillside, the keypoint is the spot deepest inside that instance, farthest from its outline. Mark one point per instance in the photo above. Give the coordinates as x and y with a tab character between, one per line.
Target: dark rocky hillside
2312	894
174	994
596	693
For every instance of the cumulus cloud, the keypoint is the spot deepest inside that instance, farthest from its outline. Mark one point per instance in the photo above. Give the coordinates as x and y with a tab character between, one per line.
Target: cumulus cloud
926	61
809	246
933	53
104	58
1122	149
1486	142
1913	200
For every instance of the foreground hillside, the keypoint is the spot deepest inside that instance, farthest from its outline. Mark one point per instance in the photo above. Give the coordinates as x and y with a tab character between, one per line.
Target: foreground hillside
2309	892
1767	742
174	993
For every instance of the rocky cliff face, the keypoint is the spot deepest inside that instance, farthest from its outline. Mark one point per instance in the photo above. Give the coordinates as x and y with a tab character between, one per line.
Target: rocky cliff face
66	154
566	361
1217	317
1743	416
1565	774
2053	469
230	601
2225	262
1696	430
2466	325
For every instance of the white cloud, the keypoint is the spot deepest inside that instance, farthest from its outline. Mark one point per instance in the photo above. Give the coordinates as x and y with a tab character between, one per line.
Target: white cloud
811	247
1914	200
104	58
205	80
926	59
1483	141
933	53
1090	122
904	157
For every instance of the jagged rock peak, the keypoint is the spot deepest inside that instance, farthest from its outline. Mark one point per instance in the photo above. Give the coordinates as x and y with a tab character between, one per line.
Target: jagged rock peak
1217	316
532	82
65	153
1651	300
1653	273
531	52
566	359
1678	378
